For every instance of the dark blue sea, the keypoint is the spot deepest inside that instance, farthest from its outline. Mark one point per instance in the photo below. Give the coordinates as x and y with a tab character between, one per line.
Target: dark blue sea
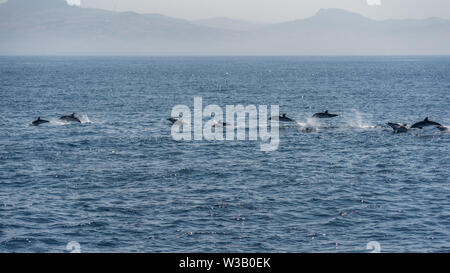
118	182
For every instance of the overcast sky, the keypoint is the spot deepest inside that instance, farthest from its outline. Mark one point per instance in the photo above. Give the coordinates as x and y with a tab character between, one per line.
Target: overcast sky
276	10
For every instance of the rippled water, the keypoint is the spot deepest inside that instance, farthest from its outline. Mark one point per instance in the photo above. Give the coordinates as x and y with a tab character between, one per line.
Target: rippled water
119	183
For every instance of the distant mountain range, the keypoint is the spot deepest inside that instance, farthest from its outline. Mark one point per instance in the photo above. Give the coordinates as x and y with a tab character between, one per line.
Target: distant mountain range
227	23
51	27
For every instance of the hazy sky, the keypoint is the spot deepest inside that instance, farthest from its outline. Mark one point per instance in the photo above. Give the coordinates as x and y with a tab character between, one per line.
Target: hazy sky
276	10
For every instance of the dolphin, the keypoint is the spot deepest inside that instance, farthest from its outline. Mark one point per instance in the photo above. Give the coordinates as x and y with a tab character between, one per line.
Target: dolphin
177	121
324	115
220	124
39	121
283	117
398	127
174	120
425	123
70	118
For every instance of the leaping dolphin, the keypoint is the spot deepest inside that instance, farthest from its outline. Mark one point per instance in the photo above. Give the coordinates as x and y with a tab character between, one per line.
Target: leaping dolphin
174	120
398	127
324	115
284	118
70	118
425	123
39	121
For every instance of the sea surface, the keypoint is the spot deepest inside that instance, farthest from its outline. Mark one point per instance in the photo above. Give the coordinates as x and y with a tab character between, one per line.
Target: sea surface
118	182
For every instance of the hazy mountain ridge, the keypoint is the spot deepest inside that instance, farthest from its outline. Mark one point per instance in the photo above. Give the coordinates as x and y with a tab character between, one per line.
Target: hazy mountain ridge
63	29
229	24
53	27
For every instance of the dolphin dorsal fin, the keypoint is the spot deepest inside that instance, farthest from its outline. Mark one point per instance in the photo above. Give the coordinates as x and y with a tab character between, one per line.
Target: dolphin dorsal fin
326	111
426	119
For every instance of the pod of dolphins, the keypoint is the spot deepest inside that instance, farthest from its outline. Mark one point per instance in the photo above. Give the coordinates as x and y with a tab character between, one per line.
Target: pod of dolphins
321	115
397	127
67	118
403	128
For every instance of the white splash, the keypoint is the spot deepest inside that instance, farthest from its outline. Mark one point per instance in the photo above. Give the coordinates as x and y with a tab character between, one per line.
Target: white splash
74	2
358	120
85	119
311	125
374	2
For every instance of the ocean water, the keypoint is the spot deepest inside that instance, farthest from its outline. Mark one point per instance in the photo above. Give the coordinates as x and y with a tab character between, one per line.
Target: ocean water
118	182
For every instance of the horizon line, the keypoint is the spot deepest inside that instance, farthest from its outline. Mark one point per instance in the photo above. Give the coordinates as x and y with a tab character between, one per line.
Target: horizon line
221	55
